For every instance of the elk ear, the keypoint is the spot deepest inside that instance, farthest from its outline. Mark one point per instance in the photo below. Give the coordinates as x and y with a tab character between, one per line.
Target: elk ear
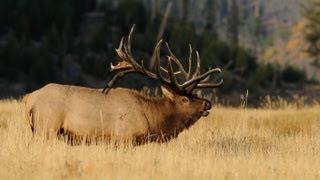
168	93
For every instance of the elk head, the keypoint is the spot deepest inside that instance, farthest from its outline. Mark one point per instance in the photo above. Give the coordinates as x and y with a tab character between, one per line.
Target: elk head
177	85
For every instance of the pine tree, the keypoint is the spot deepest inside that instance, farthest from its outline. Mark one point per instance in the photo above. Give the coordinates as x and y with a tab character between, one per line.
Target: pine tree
312	33
211	25
185	10
233	22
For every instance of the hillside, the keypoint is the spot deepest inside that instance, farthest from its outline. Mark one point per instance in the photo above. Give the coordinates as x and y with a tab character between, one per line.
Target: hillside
73	45
275	15
292	51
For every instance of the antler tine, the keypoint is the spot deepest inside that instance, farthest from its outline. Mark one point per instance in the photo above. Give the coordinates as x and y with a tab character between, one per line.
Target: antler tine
190	62
197	72
142	67
204	84
172	77
210	85
158	65
175	73
115	78
198	79
119	50
127	54
206	79
145	71
130	57
129	38
176	60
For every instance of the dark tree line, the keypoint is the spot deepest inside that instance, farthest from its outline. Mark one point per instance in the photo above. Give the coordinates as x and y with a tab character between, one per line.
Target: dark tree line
312	33
45	41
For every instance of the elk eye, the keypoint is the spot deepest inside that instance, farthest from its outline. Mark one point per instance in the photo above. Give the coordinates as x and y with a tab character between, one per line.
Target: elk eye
185	100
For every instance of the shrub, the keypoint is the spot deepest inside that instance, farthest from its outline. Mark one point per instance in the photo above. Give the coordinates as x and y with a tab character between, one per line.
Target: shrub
291	74
263	76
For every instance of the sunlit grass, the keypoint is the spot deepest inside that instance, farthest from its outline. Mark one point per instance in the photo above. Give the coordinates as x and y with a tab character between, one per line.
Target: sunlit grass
232	143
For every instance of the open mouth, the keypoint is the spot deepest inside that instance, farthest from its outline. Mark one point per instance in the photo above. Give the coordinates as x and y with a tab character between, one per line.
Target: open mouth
205	113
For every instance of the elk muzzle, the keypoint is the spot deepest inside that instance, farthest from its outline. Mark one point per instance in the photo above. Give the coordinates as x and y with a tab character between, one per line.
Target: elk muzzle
207	106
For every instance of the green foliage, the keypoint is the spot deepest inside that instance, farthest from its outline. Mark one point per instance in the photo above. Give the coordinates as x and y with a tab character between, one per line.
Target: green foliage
218	53
245	62
10	59
214	52
43	41
23	60
131	11
53	21
293	75
312	33
233	22
127	13
270	75
180	35
262	76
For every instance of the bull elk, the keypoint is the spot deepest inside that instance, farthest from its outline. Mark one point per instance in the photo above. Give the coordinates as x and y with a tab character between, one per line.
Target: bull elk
124	113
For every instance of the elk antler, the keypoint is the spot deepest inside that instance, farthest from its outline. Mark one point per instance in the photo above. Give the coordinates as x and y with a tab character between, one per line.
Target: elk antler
192	81
195	80
120	66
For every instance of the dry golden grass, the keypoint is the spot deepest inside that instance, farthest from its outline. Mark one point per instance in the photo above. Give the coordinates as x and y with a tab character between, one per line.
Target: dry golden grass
232	143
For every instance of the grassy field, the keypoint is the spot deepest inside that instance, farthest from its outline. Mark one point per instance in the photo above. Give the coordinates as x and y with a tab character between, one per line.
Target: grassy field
232	143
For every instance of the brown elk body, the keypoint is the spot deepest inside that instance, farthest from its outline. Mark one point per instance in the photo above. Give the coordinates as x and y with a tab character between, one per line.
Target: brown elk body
123	113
